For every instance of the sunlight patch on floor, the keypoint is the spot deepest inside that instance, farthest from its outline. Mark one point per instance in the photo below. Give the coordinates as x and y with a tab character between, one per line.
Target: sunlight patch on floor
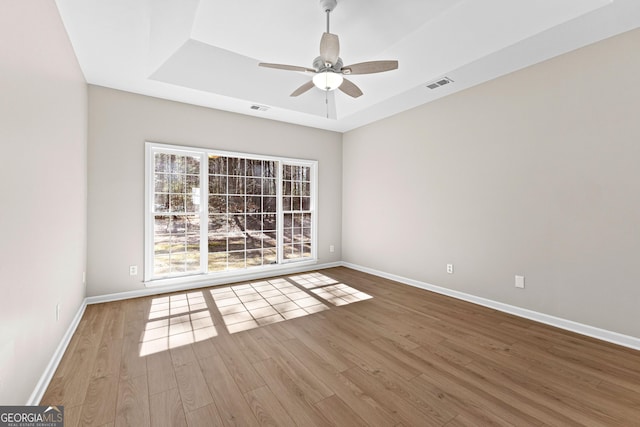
329	289
250	305
312	280
341	294
184	319
175	321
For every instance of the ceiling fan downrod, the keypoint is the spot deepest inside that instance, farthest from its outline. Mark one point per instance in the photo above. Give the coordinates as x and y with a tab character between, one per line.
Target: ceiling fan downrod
328	6
328	14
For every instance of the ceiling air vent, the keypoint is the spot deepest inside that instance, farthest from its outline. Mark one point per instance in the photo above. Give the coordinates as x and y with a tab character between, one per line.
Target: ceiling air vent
440	82
259	107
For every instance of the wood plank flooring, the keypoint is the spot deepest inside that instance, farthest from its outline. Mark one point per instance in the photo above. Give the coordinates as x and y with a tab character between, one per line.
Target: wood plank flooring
334	347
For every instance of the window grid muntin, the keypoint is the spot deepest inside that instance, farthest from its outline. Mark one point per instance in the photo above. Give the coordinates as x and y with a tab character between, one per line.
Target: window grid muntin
297	211
177	249
242	218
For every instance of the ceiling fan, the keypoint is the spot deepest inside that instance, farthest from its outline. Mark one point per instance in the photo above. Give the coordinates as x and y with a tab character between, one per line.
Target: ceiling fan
328	67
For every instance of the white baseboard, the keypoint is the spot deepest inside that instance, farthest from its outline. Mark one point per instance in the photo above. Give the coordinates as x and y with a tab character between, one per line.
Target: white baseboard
569	325
47	375
204	282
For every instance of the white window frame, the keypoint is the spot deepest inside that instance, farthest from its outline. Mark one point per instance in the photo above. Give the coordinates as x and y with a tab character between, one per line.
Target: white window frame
202	274
312	209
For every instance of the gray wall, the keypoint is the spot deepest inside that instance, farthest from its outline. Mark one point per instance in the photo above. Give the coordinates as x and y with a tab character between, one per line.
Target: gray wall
535	173
119	125
43	128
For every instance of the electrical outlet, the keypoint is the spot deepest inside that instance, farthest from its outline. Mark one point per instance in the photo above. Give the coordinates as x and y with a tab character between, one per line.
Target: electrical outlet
332	248
520	282
84	277
133	270
450	268
57	312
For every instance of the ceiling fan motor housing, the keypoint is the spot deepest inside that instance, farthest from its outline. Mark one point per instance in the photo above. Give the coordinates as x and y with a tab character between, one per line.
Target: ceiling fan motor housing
320	65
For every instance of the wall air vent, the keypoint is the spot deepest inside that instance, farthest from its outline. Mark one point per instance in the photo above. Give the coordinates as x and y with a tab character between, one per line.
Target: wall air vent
440	82
259	107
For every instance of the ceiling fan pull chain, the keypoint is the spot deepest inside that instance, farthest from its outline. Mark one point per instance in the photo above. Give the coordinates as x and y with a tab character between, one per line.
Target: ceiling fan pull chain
326	101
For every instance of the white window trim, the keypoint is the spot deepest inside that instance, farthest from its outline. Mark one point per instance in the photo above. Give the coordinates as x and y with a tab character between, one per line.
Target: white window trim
255	271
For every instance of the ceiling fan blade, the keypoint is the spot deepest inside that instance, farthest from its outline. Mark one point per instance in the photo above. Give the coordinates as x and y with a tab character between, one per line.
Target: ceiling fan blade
287	67
370	67
350	89
329	48
302	89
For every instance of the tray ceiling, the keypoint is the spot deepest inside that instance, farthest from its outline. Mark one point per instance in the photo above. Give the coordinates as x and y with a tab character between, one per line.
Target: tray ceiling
205	52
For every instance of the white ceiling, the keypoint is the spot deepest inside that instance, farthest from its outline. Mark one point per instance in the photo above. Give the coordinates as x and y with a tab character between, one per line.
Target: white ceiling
205	52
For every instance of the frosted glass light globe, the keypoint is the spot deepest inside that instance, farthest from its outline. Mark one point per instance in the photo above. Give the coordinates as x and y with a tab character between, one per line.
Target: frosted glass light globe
328	80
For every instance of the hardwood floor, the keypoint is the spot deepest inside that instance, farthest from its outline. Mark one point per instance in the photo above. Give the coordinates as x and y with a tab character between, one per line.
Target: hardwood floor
335	347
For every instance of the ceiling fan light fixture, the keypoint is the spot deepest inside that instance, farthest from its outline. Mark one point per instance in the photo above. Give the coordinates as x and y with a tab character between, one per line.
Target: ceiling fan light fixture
328	80
328	67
